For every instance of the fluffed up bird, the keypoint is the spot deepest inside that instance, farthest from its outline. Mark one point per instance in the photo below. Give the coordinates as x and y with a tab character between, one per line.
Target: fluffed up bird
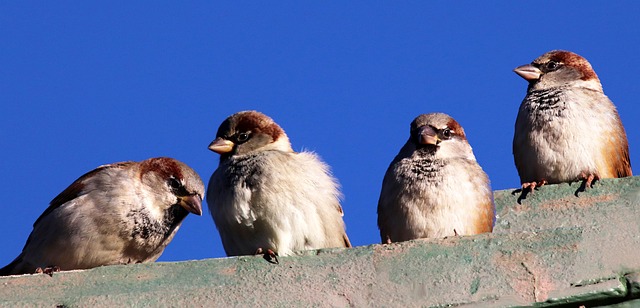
434	187
266	198
119	213
567	129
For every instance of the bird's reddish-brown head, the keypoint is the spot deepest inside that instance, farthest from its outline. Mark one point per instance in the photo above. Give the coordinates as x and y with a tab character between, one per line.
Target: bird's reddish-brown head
439	134
179	180
559	68
248	131
433	128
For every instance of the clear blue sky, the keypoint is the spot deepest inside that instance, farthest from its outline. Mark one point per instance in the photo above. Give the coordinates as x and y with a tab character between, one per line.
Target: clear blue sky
85	84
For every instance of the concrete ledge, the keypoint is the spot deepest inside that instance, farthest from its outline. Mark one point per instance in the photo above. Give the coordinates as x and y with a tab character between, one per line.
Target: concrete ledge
552	249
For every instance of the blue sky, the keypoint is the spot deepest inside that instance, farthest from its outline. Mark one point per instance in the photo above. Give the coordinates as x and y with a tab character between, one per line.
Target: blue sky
86	84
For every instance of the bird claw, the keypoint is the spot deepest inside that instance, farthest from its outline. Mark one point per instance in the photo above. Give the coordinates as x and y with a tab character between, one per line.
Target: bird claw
49	270
269	255
587	181
530	186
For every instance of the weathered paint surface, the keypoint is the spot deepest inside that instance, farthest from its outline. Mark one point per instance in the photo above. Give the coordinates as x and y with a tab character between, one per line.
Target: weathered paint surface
552	248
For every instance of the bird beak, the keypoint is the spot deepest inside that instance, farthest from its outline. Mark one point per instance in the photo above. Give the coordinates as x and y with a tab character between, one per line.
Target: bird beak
427	135
528	72
191	203
221	145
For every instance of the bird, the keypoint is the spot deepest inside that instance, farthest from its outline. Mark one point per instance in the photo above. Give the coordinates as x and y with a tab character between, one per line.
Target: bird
120	213
267	199
434	187
567	129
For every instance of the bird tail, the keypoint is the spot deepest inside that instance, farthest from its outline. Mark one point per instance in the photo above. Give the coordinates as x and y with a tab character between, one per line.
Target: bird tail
347	242
13	268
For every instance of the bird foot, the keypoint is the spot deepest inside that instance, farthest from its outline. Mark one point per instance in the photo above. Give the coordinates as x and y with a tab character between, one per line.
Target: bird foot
49	270
587	179
530	186
269	255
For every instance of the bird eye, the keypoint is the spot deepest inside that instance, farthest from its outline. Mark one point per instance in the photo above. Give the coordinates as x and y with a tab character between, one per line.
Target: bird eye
552	65
174	183
446	133
242	137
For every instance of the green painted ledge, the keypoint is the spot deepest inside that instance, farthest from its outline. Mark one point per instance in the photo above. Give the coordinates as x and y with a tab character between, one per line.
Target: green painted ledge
551	249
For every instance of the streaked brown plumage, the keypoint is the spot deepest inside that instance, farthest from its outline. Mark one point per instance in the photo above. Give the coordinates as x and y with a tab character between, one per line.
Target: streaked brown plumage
266	198
119	213
567	129
434	187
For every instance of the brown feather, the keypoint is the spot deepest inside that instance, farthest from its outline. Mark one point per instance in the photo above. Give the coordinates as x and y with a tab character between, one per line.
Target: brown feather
164	166
76	188
570	59
616	154
456	128
486	219
250	121
347	242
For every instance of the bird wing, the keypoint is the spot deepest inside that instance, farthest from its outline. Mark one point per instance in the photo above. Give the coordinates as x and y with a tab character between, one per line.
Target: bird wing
76	189
13	268
519	146
385	203
620	152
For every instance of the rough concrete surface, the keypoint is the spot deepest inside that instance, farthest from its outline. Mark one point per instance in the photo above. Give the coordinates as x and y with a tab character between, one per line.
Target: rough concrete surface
550	249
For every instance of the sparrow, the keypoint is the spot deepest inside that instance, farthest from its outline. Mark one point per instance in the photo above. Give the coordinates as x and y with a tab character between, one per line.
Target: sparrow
266	198
434	187
120	213
567	129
